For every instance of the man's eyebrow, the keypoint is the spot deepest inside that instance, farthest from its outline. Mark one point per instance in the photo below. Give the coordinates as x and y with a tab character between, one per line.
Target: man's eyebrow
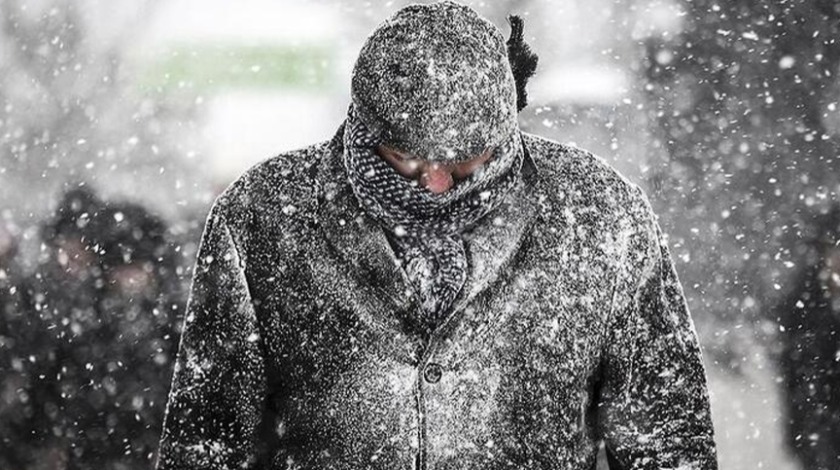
399	153
407	156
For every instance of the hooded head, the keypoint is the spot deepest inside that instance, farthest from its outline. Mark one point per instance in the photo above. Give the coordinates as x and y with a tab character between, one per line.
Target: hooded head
74	218
435	81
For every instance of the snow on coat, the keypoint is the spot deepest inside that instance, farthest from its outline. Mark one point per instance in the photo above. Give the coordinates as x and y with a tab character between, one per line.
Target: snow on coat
300	348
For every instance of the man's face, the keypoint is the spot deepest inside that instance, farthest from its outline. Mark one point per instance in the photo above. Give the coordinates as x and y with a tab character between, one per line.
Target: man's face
74	257
437	177
132	280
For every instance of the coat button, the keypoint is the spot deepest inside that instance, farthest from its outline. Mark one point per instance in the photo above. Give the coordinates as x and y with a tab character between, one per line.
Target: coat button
432	373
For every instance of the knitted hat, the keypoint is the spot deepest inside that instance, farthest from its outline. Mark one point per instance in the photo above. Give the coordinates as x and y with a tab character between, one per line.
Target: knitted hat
435	81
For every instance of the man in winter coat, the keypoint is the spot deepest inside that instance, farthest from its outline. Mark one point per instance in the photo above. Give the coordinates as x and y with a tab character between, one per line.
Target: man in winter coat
435	289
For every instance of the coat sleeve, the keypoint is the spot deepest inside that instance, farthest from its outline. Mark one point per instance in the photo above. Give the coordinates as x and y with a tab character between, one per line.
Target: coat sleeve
654	407
217	394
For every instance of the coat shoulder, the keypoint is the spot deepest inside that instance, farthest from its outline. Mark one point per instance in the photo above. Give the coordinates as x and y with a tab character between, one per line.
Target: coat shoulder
286	182
283	187
574	179
589	212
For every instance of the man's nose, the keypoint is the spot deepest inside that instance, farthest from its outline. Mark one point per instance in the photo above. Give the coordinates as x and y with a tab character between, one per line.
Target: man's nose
436	178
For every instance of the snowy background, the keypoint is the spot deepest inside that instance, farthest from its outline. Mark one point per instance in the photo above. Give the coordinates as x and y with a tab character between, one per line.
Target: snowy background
726	113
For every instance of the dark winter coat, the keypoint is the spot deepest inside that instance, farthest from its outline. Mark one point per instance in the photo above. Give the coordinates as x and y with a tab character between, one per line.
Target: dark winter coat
300	349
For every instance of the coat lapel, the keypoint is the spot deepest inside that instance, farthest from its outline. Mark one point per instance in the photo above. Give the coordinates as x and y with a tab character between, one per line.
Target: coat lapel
357	239
363	245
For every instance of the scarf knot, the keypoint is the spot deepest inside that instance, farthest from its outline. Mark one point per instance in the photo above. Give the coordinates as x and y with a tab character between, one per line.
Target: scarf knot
425	229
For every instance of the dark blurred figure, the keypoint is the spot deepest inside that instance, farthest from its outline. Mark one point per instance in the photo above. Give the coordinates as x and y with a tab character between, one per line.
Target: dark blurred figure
810	350
56	302
134	347
15	370
107	297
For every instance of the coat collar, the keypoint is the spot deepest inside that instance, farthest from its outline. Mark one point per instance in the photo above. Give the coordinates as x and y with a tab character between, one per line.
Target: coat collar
361	243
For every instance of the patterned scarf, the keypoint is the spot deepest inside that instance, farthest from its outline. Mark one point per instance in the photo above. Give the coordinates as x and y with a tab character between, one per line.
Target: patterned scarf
424	228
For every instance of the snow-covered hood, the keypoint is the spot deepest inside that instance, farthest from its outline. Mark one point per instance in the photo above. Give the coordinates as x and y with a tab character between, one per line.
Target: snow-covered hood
435	81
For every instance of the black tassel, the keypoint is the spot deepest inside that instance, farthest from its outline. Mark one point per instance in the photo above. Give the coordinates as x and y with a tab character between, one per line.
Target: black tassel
523	61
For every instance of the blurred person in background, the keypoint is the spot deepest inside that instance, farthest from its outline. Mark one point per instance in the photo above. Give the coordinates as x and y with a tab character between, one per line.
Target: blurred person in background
809	356
434	288
141	302
60	304
15	368
105	297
